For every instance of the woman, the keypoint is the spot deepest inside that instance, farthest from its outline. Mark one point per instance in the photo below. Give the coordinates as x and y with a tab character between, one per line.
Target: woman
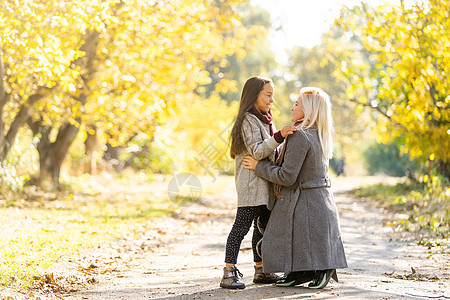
303	238
252	133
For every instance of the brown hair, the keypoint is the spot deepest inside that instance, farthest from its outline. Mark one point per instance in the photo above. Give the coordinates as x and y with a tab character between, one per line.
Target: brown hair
253	86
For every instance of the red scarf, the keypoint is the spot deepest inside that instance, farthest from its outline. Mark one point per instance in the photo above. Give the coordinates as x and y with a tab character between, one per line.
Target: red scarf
266	118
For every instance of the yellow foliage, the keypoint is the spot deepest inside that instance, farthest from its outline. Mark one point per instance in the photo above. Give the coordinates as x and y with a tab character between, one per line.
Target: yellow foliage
403	67
203	126
149	59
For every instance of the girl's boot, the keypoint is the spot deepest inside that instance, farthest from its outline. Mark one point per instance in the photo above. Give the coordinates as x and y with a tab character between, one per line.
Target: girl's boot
261	277
230	279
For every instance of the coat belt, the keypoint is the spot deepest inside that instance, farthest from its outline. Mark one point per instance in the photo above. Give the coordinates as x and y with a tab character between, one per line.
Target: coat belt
312	184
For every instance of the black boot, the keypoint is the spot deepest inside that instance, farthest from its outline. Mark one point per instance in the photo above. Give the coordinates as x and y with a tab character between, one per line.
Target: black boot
322	278
230	279
296	278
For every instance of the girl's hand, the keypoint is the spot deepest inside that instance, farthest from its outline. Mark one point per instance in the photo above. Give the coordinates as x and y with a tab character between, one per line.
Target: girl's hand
250	163
287	130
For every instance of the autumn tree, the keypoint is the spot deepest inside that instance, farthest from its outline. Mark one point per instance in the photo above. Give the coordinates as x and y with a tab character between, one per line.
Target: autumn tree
154	60
36	53
113	66
255	57
43	58
310	67
400	69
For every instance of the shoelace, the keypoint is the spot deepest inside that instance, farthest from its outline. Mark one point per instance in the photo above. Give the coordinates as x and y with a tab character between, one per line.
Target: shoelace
237	272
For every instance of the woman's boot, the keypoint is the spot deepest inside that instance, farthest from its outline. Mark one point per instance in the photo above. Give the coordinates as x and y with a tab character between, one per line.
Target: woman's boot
322	278
296	278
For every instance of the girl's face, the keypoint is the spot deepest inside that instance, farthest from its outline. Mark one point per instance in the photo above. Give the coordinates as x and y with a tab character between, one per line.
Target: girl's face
297	111
265	98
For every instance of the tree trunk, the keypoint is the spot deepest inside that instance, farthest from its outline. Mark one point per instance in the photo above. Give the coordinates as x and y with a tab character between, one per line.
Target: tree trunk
55	157
111	156
19	121
3	100
8	140
444	168
51	155
90	145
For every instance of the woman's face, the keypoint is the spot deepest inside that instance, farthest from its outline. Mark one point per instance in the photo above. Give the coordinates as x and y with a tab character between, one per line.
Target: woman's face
265	98
297	111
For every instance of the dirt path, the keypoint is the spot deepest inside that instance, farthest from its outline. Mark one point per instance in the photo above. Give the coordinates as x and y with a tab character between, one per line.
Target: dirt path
186	263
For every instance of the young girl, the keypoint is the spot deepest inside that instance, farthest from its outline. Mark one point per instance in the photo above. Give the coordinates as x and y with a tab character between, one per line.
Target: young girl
252	134
303	238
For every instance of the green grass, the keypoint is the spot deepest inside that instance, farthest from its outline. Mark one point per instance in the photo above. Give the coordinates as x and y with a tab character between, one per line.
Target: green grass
420	208
392	196
38	228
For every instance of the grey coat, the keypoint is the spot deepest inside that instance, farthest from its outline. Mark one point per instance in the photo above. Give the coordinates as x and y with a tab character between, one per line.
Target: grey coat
303	232
251	189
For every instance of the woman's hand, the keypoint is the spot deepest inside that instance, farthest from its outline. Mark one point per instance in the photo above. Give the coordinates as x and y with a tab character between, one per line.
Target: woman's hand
287	130
250	163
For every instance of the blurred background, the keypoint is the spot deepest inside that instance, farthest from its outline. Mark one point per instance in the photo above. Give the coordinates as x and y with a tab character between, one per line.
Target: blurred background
114	113
154	85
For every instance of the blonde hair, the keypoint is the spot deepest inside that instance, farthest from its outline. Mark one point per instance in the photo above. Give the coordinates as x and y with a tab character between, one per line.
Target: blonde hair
317	108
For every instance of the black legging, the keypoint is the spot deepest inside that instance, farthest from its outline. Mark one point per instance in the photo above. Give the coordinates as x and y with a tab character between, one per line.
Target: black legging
245	216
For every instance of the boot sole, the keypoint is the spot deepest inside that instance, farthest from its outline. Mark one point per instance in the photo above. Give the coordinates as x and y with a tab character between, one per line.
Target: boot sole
290	283
264	281
232	287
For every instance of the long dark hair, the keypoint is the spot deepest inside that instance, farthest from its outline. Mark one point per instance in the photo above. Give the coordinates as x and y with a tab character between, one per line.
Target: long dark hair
253	86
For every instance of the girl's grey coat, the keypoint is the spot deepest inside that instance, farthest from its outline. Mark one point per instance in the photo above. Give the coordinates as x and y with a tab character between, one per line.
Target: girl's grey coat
251	189
303	232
